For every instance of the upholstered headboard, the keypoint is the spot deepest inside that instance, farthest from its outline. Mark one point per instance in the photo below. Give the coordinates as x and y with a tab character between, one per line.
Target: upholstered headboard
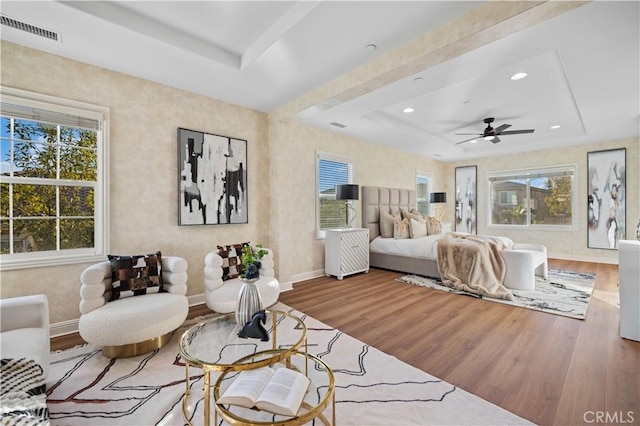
390	200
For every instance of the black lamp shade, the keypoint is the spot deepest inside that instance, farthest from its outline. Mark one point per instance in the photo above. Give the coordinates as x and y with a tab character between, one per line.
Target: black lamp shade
347	192
438	197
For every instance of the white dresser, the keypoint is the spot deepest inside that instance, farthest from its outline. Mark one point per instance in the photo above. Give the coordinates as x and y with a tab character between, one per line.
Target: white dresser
629	279
346	251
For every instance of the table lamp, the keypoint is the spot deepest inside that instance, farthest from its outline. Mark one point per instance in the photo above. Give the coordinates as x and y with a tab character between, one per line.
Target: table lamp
348	192
438	198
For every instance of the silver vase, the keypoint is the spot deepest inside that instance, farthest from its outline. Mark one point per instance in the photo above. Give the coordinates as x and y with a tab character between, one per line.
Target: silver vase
249	301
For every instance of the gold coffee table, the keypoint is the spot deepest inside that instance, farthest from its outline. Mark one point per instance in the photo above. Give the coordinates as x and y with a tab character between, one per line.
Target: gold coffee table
214	345
321	391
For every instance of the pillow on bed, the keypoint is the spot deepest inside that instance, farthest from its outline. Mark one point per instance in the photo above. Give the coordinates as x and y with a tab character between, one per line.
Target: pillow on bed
401	229
418	229
434	226
413	215
387	223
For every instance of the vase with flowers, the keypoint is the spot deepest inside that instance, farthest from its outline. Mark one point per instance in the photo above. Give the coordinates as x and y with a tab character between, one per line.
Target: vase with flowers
249	301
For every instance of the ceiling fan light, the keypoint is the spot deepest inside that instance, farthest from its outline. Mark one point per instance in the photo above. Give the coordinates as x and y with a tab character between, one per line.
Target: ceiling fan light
489	138
519	76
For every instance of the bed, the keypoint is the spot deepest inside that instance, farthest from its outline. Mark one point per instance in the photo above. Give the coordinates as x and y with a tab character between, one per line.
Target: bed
419	256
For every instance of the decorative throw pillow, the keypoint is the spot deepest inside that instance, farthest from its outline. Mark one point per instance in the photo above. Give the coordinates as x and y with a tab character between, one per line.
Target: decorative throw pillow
418	229
386	223
434	226
412	214
401	229
231	260
135	275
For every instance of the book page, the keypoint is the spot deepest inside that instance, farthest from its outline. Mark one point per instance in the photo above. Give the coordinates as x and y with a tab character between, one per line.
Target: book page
284	392
246	388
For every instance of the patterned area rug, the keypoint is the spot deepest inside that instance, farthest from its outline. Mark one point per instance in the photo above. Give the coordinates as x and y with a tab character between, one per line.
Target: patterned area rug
564	293
372	388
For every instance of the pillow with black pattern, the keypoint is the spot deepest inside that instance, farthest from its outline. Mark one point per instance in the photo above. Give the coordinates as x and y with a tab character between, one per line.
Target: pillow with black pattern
231	255
135	275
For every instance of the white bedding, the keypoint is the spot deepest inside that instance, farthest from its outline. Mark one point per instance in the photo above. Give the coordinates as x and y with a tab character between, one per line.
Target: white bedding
415	247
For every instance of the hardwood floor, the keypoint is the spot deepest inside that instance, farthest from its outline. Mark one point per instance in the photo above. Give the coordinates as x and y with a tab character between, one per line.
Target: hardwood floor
546	368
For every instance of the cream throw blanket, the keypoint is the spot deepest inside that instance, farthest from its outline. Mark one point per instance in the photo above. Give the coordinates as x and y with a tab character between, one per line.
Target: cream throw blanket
473	263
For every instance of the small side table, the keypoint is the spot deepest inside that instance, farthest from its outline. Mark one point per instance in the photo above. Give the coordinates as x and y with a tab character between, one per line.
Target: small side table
346	251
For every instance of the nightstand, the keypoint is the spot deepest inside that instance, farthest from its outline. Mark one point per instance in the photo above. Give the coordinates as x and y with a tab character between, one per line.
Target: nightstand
346	251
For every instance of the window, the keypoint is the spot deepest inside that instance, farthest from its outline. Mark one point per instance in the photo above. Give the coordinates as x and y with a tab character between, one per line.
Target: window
424	183
533	198
331	171
52	184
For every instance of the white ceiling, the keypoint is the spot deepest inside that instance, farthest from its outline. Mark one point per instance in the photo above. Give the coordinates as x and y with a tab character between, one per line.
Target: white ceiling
583	66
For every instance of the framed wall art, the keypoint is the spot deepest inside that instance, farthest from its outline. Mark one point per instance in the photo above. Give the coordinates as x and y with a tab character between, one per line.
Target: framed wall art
212	179
606	198
466	191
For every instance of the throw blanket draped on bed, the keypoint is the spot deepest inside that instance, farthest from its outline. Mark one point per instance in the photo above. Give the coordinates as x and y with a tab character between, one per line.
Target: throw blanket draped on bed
473	263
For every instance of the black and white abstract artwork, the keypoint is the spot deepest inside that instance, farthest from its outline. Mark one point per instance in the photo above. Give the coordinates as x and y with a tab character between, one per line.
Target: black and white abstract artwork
212	174
465	215
606	199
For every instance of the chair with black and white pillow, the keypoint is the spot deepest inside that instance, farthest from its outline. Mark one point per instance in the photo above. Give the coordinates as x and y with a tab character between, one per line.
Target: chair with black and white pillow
222	269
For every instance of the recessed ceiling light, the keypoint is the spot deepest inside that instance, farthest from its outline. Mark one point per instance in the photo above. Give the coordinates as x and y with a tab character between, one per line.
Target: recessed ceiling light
555	126
518	76
474	141
371	47
417	79
408	110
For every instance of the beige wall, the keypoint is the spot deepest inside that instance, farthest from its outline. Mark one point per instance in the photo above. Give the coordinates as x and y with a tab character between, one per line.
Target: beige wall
143	168
560	244
282	152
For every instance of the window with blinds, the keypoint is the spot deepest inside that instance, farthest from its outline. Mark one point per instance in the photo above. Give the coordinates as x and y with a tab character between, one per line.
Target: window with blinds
52	183
533	198
331	171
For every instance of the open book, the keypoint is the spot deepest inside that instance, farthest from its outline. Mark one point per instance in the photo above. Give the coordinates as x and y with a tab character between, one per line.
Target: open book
278	391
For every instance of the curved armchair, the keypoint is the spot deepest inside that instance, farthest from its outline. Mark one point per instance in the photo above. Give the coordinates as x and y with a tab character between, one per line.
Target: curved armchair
24	326
221	294
134	325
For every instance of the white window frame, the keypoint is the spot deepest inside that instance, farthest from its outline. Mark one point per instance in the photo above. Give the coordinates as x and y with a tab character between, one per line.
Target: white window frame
523	174
431	182
101	192
320	155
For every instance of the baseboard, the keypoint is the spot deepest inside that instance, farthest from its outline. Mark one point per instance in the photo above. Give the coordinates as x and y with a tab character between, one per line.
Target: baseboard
592	259
307	276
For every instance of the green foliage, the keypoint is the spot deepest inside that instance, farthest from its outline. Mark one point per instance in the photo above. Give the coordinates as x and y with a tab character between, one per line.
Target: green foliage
250	259
50	152
559	200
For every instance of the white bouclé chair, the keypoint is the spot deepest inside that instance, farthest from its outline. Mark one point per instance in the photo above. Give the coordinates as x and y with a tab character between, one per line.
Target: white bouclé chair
134	325
525	261
24	326
222	295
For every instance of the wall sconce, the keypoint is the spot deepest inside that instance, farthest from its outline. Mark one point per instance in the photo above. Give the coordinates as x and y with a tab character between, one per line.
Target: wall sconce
348	193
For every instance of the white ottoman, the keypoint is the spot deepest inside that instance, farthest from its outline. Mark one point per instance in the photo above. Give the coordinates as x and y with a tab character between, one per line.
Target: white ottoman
523	263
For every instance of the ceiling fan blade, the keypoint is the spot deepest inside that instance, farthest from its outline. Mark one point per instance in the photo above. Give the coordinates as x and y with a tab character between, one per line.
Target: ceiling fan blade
467	140
517	132
495	140
499	129
477	134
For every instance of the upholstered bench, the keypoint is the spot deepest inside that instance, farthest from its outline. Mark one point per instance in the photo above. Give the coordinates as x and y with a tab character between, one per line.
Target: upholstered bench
221	292
524	262
136	325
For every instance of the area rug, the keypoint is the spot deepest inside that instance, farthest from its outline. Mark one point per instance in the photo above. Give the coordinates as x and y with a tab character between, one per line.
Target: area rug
563	293
372	388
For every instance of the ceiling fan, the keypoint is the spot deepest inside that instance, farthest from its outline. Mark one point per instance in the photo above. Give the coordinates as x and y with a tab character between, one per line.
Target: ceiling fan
491	134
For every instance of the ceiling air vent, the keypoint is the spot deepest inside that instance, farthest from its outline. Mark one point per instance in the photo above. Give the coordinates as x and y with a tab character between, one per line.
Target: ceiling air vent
13	23
340	125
